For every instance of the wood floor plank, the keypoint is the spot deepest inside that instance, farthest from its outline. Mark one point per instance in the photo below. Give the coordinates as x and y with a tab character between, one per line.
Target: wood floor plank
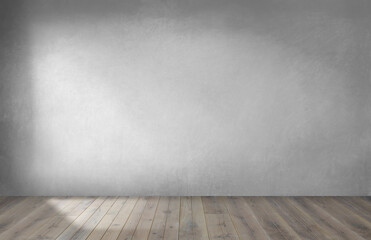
145	223
57	224
174	218
356	205
244	219
334	227
220	226
364	201
2	200
213	205
79	222
104	224
36	219
199	228
185	220
270	220
172	222
159	223
356	223
120	220
129	228
17	213
360	202
93	221
367	199
303	225
10	202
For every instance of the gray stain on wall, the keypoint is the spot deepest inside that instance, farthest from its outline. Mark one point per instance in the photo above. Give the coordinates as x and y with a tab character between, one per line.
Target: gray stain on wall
186	98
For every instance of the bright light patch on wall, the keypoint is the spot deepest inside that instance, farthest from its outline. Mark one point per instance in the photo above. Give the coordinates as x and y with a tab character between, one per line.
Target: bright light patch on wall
79	116
122	99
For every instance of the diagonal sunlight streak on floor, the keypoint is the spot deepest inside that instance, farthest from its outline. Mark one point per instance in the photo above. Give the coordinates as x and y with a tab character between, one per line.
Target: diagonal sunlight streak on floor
64	218
78	218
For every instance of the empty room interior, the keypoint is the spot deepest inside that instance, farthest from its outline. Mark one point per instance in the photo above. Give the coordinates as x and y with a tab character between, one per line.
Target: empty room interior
185	119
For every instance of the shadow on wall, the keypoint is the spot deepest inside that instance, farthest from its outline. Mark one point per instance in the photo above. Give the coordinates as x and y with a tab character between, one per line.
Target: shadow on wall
185	97
16	96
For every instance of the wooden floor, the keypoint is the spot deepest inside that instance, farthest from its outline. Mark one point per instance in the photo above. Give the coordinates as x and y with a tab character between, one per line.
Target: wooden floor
185	218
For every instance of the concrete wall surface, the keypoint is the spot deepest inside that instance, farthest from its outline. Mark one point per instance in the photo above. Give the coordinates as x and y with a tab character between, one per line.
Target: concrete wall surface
185	97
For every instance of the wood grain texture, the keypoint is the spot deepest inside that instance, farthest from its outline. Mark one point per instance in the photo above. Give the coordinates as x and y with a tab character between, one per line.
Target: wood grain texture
303	225
172	222
244	219
191	218
58	223
350	220
75	226
356	205
36	219
220	226
106	221
214	205
120	220
159	222
185	220
333	226
144	226
18	212
9	202
272	222
199	230
129	228
93	221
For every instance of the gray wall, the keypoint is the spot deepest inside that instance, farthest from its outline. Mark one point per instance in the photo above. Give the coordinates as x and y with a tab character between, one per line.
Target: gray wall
191	97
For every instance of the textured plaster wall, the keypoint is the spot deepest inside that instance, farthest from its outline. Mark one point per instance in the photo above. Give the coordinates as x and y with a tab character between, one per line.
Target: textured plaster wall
192	97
